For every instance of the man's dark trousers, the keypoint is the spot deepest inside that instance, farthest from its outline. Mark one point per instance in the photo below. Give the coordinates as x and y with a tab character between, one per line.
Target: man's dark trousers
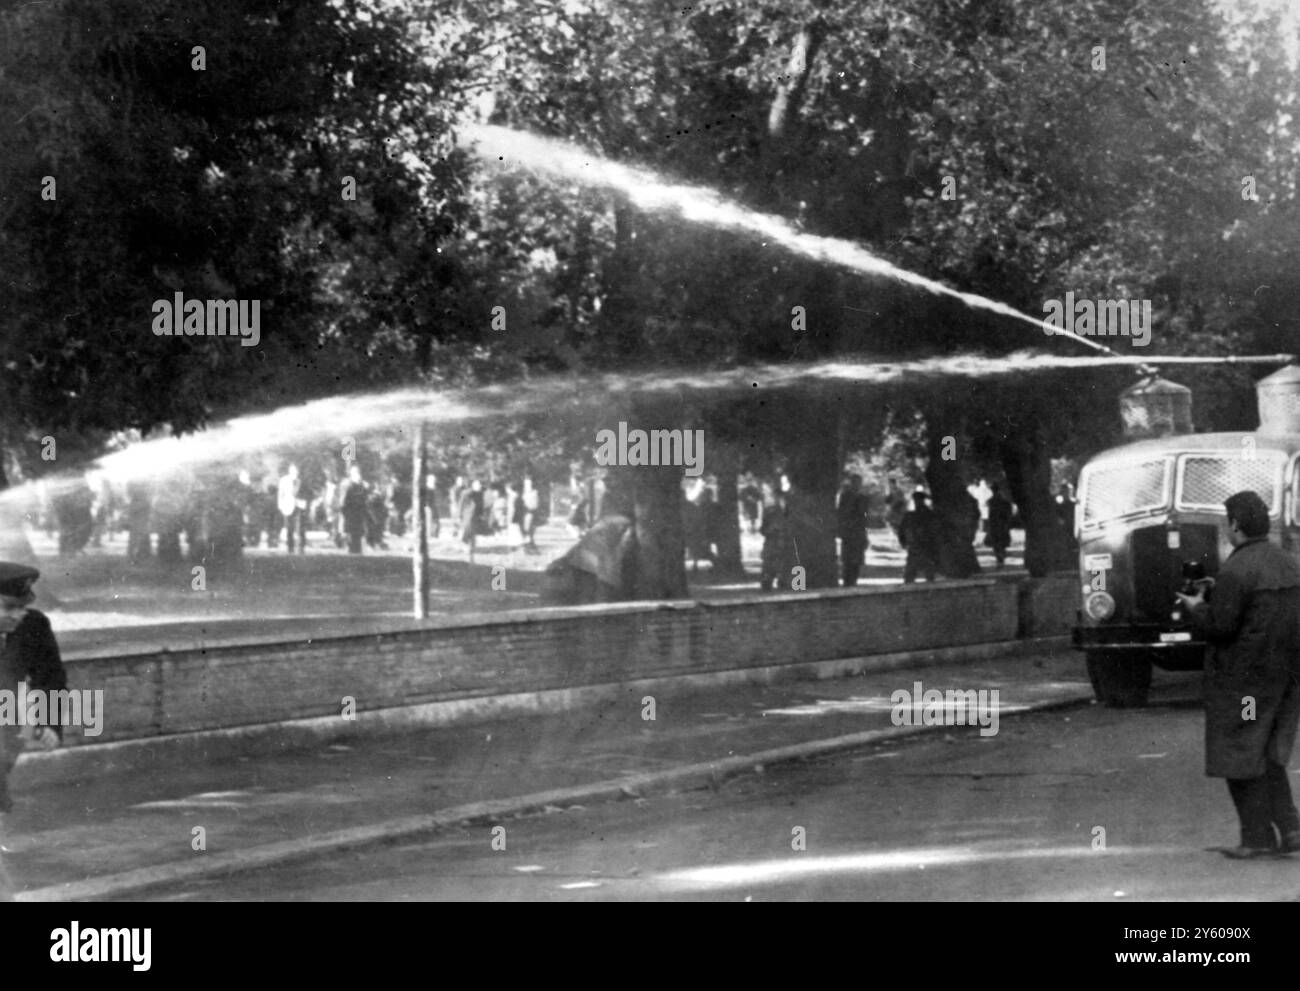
1263	803
853	555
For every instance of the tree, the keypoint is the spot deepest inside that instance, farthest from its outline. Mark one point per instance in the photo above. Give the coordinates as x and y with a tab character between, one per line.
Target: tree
152	153
990	145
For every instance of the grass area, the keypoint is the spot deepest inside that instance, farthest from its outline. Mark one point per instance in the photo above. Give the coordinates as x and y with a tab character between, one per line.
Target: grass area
101	589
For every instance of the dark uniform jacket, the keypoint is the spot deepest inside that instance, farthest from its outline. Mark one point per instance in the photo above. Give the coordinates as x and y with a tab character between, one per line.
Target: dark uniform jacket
31	654
1252	621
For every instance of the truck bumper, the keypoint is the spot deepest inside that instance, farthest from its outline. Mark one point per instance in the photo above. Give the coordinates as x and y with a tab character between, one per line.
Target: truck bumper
1167	647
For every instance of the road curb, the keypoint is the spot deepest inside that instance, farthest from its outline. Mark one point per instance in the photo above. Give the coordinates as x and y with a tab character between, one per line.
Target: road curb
704	774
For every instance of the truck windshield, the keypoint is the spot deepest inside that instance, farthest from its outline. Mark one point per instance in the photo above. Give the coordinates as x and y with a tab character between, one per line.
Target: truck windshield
1205	480
1112	491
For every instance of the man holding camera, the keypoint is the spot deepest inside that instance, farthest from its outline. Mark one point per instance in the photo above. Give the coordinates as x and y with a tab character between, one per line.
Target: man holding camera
1251	617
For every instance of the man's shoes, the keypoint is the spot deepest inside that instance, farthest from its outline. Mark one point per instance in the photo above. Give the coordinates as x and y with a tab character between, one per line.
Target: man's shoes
1247	852
1291	842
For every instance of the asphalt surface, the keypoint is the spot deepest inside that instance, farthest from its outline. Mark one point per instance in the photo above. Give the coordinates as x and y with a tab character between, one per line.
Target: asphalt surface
1075	803
149	834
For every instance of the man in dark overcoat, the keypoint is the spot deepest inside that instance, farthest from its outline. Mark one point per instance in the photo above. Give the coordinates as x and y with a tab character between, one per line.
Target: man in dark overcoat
1252	678
997	532
851	513
918	533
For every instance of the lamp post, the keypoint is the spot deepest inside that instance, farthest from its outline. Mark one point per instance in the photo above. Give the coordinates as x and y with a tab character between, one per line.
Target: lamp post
420	551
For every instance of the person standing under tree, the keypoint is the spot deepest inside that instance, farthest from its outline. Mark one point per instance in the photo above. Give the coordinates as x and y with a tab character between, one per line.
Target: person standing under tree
895	506
292	505
851	516
779	555
751	499
354	500
919	534
432	516
470	514
531	499
514	516
997	532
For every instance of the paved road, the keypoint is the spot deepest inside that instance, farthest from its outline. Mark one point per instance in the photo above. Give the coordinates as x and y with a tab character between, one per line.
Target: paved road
950	815
131	814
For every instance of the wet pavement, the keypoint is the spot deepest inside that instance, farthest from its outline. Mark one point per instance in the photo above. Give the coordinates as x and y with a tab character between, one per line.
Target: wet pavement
177	813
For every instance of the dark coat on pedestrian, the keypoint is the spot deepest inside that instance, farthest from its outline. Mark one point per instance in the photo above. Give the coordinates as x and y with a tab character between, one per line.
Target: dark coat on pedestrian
1252	621
354	501
851	519
919	533
695	527
997	531
779	555
30	653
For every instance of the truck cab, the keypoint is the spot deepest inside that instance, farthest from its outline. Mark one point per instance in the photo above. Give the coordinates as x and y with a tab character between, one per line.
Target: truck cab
1146	510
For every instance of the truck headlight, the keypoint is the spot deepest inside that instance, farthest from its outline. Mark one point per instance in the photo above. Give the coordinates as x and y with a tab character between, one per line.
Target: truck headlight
1099	605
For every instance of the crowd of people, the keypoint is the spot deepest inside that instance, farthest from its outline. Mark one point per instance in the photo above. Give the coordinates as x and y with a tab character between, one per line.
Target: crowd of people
921	532
511	509
216	516
773	509
934	544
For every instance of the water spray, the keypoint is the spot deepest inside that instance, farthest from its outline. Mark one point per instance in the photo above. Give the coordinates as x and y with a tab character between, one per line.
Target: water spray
326	420
518	149
700	205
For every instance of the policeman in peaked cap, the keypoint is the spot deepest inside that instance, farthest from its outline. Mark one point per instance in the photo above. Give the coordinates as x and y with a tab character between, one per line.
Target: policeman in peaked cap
16	580
28	652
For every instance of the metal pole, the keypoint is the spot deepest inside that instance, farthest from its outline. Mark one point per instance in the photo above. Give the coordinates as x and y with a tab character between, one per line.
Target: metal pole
420	552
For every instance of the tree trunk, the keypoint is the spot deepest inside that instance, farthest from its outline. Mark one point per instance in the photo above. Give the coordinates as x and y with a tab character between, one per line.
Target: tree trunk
621	277
790	91
1029	474
420	551
652	497
723	464
814	470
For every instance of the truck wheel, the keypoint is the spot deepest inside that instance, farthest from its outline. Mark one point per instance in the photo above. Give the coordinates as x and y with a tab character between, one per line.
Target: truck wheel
1120	678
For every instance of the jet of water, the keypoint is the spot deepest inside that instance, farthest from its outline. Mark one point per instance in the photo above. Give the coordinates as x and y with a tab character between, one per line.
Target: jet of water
331	420
704	206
